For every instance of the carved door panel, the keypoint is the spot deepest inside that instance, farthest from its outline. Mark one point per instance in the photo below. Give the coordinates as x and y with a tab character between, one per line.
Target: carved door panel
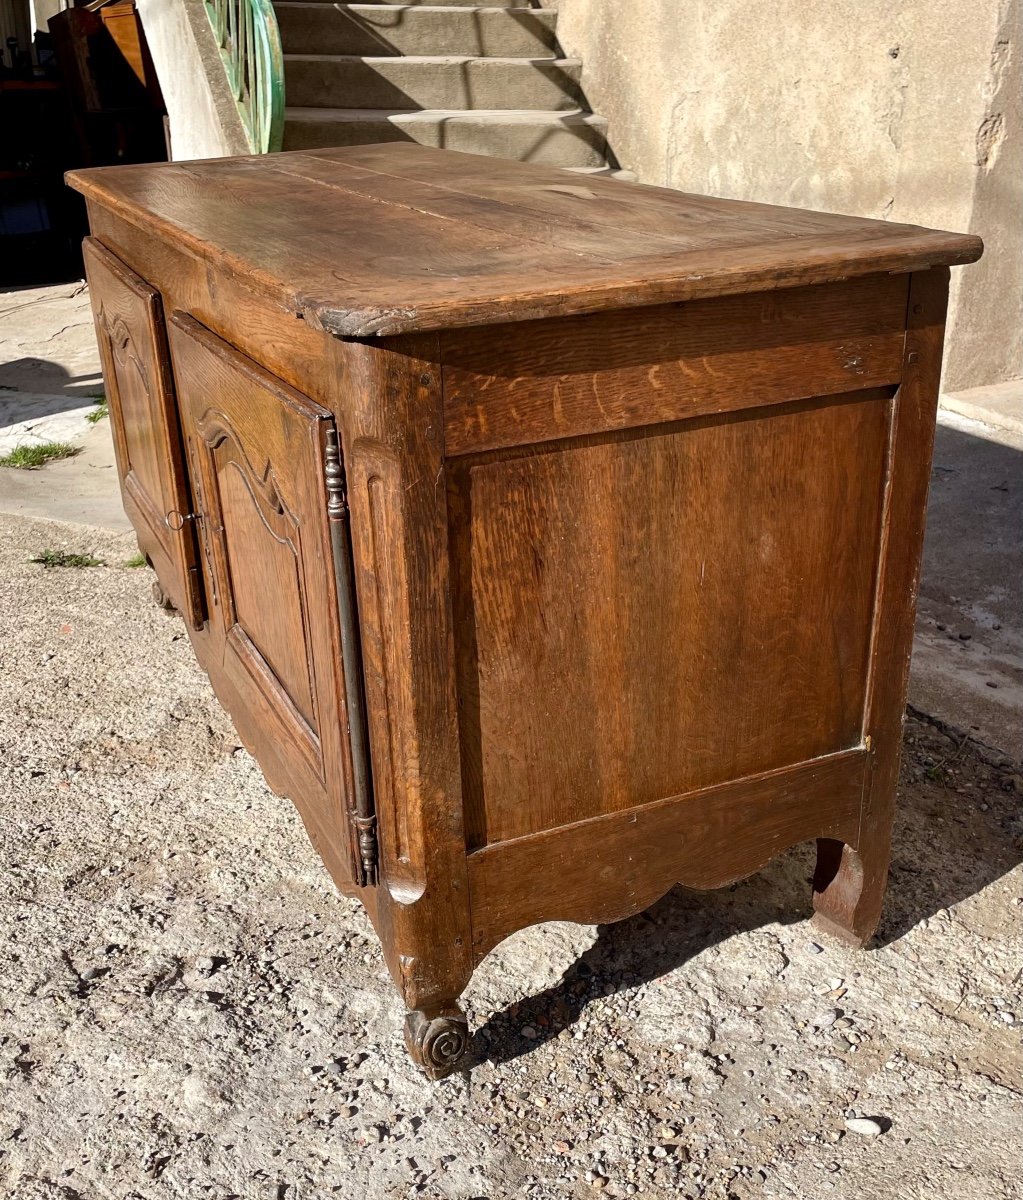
266	471
144	420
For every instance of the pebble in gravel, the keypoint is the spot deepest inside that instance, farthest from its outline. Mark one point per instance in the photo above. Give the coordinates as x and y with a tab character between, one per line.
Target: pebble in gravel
865	1126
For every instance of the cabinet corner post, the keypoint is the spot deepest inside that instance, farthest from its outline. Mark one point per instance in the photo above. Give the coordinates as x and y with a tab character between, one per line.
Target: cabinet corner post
391	423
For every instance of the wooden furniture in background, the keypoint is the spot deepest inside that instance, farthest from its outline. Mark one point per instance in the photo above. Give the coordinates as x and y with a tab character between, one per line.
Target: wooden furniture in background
550	541
113	94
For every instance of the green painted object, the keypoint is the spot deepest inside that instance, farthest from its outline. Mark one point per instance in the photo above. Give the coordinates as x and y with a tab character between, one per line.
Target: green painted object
250	45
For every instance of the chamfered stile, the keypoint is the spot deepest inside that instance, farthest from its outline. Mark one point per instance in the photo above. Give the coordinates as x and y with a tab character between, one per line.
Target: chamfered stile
392	435
850	878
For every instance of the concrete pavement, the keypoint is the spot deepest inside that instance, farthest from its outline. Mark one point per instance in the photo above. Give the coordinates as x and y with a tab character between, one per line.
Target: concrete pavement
190	1009
968	651
47	344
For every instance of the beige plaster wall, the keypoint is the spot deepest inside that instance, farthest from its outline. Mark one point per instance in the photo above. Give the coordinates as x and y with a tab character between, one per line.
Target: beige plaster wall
204	121
909	112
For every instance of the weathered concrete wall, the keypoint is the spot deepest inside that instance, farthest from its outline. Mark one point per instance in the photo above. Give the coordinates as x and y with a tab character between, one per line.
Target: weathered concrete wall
204	121
909	112
987	339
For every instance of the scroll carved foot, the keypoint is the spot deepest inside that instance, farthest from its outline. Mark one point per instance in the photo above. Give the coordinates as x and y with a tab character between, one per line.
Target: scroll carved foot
437	1042
848	889
161	599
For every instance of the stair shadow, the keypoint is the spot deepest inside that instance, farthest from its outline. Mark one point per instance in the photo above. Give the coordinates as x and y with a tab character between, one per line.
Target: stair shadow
319	81
391	98
367	35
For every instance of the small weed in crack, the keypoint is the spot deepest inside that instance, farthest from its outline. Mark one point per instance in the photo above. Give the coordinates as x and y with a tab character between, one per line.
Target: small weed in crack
61	558
100	412
28	458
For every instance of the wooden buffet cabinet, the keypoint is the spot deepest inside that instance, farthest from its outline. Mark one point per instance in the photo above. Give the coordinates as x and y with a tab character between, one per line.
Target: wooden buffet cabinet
550	540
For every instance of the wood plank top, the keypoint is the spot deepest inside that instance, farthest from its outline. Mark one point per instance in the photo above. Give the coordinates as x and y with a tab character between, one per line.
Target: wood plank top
368	241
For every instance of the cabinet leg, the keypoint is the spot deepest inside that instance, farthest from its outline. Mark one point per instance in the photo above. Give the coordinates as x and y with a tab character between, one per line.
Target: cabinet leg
437	1040
848	889
161	599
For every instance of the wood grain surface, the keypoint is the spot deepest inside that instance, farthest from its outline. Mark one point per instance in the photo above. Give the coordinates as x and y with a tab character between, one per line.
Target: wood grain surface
389	406
376	240
850	880
512	384
641	614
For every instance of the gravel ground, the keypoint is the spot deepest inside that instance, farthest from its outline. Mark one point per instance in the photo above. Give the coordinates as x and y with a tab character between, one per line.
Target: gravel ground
190	1010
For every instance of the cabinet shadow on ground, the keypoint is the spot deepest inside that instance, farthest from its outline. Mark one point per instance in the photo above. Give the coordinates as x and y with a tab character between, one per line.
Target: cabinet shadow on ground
968	653
39	387
958	829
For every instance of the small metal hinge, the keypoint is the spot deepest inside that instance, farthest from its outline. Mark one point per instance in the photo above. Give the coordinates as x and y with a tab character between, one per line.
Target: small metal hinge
334	476
366	828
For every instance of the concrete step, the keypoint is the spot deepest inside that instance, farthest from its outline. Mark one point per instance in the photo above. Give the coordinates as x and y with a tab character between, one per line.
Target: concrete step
557	139
318	80
370	30
433	4
606	172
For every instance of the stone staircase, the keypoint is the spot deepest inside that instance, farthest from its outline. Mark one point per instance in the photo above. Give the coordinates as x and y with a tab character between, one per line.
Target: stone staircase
484	79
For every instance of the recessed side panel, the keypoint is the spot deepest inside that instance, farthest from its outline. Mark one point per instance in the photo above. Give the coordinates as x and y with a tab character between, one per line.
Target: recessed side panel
643	614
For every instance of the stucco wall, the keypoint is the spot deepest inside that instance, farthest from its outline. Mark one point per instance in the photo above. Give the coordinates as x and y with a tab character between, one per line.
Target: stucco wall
204	121
909	112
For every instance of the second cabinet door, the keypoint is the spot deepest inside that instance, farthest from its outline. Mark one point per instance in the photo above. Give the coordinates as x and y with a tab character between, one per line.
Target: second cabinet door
261	457
144	420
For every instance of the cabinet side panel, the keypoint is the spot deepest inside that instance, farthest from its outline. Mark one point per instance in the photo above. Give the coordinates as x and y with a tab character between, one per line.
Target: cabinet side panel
643	614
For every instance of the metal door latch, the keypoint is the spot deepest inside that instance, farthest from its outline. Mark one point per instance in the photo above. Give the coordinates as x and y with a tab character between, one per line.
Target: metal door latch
175	519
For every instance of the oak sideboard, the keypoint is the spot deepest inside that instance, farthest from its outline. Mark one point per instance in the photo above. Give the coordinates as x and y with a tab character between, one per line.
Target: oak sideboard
551	540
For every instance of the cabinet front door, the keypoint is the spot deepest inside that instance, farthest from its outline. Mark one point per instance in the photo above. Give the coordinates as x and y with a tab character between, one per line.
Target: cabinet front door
147	439
265	468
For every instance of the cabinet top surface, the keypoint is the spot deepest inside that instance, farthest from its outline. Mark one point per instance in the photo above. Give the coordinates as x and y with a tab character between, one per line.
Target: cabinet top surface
377	240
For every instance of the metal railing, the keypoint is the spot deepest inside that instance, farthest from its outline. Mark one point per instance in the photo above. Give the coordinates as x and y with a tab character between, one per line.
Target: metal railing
250	45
